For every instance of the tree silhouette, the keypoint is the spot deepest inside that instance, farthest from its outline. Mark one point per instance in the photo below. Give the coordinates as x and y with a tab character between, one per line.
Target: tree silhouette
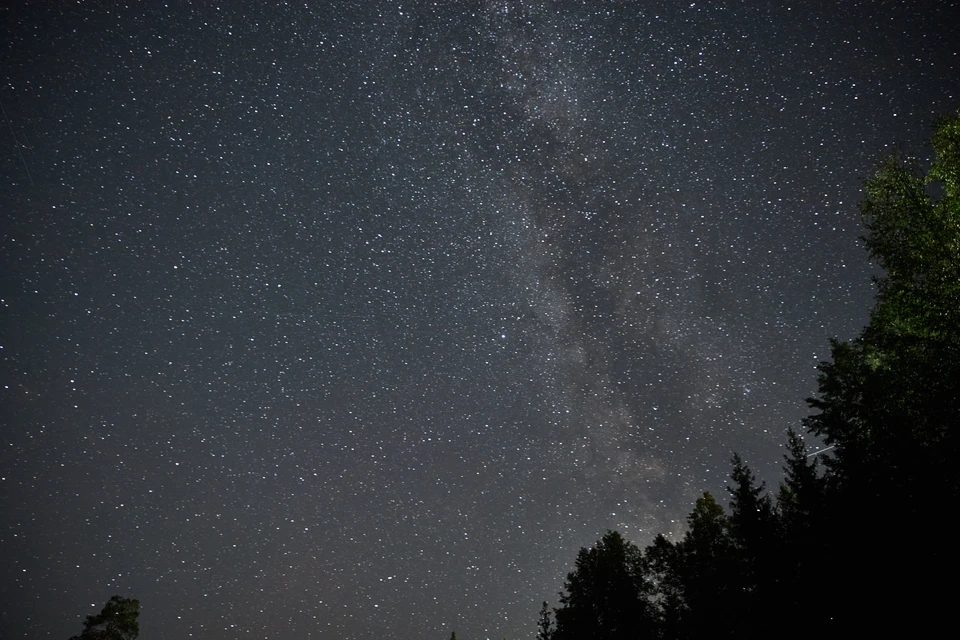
545	623
800	507
801	490
117	621
705	567
606	595
755	537
751	521
664	572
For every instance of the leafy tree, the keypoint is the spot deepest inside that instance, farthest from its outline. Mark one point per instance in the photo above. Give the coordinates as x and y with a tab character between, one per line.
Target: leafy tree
889	400
606	596
117	621
915	239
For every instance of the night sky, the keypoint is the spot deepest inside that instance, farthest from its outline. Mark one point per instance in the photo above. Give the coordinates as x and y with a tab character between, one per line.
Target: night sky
358	320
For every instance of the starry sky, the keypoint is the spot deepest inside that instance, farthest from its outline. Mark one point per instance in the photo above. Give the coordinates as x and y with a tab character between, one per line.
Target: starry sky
351	320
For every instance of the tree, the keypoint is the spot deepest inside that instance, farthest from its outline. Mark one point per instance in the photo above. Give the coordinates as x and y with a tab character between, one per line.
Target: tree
544	623
889	400
751	513
662	560
705	565
754	534
915	239
707	538
117	621
606	596
801	490
801	509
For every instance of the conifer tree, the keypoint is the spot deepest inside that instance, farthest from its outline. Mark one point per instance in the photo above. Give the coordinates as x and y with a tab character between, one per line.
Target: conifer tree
754	535
545	623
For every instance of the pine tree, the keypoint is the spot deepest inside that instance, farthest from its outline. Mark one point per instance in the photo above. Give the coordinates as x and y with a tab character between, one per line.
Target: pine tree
751	513
545	623
800	504
801	490
754	533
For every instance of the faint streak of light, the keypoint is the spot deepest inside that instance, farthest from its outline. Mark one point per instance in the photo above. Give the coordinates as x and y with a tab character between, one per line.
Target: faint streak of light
810	455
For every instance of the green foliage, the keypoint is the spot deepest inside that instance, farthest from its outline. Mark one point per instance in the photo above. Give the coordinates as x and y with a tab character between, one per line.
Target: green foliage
890	399
117	621
916	240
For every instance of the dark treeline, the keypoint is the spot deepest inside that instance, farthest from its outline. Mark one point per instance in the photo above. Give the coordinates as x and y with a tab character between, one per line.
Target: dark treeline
856	542
862	545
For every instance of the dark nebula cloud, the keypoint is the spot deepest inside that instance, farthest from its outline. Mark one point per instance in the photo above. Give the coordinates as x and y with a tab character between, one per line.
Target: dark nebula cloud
337	320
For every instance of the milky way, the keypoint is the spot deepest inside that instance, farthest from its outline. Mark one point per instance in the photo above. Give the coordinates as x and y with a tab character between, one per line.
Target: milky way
359	319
